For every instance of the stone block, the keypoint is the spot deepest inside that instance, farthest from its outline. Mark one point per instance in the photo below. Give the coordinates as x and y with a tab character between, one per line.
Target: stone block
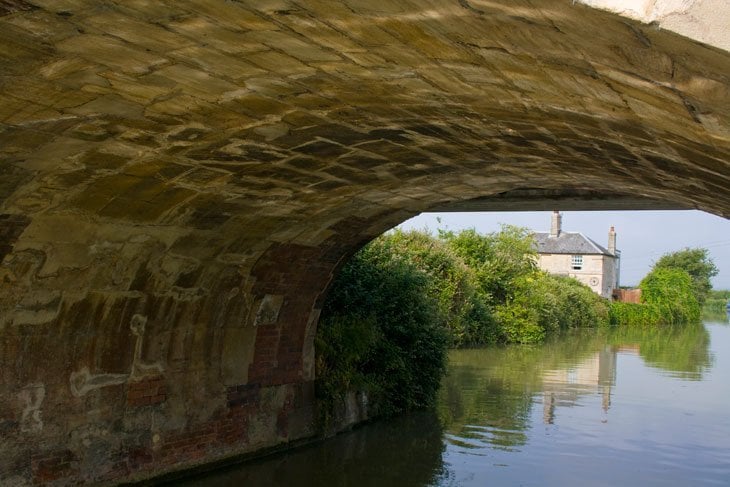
279	63
237	354
111	52
181	180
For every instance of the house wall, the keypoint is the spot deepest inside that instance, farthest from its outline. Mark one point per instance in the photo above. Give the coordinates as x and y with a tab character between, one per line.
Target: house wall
600	267
608	283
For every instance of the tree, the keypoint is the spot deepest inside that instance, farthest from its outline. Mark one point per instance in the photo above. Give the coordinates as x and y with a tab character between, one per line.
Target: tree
696	263
670	292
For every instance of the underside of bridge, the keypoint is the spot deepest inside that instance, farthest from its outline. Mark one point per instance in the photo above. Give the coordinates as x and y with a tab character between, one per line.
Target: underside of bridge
180	180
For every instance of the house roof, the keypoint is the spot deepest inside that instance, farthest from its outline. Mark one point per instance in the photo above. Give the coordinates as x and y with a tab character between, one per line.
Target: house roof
568	243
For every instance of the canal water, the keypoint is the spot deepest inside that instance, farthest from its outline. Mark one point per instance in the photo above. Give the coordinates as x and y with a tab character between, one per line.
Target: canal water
620	408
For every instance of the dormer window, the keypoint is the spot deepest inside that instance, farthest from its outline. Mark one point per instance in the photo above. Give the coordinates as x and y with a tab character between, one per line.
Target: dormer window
576	262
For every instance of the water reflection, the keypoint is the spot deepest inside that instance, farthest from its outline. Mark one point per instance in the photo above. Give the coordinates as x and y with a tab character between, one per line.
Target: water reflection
489	394
562	387
682	351
620	407
716	316
404	451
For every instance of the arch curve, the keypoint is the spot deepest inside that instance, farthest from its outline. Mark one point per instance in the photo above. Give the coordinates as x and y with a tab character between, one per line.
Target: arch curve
179	183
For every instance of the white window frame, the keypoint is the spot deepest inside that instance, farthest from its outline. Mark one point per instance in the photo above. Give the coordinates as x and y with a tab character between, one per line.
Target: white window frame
576	262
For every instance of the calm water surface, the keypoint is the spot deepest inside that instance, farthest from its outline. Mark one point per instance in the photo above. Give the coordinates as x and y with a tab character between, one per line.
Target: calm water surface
629	408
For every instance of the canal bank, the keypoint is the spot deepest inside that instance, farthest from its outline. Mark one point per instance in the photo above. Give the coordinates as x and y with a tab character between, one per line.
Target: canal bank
628	407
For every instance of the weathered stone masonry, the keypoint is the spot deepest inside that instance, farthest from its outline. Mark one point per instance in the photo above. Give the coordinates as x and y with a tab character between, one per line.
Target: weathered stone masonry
180	180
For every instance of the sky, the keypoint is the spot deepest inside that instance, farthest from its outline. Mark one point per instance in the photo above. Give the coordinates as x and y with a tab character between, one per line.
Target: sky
641	236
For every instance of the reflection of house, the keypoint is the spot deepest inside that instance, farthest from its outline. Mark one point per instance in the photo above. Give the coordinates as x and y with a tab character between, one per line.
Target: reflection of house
629	348
562	387
575	255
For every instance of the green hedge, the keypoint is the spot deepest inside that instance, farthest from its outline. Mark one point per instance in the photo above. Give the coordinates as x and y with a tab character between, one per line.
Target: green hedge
396	306
667	297
632	314
544	304
453	285
380	332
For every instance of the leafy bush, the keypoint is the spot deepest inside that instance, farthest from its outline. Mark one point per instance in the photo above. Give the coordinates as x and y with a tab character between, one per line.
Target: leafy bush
544	304
667	297
564	303
450	282
632	314
697	263
341	344
671	291
499	259
719	294
529	304
519	323
381	332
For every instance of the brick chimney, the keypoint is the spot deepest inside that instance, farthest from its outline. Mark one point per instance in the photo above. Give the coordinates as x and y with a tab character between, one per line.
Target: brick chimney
612	241
556	224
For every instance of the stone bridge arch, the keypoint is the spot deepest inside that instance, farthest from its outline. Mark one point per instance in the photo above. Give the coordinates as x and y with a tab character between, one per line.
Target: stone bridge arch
178	183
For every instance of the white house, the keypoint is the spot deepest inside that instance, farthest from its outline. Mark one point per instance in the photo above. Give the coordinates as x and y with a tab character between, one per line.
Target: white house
575	255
